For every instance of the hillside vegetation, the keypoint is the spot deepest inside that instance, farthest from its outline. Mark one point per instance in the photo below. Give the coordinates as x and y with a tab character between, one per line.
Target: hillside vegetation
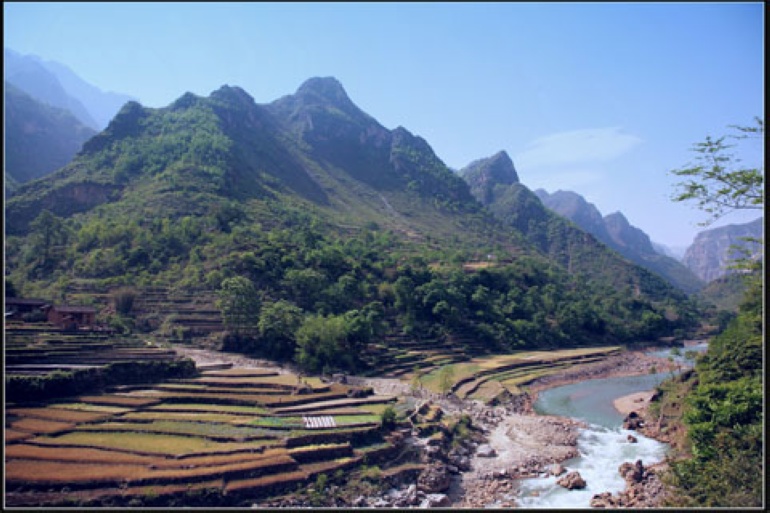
320	231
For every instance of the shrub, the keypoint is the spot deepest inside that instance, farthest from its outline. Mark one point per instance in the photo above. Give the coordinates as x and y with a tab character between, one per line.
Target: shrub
123	300
388	418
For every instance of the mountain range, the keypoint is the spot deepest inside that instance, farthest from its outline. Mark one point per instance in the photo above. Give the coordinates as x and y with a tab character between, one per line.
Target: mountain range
50	113
42	141
191	193
39	139
54	84
495	184
615	231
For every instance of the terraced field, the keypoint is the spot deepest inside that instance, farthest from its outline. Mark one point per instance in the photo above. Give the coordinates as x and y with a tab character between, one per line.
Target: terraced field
234	435
42	349
486	377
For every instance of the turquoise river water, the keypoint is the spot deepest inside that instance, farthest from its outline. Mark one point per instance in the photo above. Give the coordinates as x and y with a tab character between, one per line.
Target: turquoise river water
603	445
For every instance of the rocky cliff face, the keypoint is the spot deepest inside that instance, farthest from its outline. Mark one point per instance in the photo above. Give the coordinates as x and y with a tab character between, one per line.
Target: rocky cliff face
616	232
574	207
625	235
712	251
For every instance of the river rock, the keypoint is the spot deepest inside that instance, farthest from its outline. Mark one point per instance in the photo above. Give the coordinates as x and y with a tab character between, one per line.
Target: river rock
434	478
633	421
463	463
632	472
486	451
603	500
435	500
632	439
572	481
556	469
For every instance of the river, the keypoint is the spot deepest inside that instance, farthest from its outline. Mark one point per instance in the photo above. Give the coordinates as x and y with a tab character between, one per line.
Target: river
603	445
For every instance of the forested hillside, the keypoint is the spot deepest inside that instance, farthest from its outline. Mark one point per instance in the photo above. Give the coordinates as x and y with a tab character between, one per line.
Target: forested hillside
331	229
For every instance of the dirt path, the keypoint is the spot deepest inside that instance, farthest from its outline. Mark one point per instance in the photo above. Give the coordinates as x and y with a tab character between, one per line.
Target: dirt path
209	356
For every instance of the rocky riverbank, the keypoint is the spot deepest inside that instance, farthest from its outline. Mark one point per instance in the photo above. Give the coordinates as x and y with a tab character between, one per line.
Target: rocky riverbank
508	441
630	363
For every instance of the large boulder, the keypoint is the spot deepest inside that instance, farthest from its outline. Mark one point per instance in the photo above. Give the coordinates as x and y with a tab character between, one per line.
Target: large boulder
572	481
632	472
486	451
435	478
604	500
435	500
633	421
556	469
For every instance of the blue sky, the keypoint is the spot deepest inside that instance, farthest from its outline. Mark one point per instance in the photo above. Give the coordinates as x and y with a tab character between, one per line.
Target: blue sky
600	98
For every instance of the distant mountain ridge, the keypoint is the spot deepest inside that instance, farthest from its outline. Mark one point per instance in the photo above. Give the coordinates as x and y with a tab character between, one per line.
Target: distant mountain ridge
616	232
55	84
495	183
39	139
711	253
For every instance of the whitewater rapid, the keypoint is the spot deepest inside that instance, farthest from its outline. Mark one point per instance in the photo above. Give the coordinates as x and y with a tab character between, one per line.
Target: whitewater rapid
603	445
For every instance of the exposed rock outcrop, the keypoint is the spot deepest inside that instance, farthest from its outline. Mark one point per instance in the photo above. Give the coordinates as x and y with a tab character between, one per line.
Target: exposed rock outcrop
643	489
711	252
572	481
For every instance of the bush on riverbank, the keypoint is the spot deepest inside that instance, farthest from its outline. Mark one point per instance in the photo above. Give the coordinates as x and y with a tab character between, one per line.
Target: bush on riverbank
724	419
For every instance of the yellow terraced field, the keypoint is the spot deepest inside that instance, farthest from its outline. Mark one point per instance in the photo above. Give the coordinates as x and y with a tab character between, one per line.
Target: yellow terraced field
480	367
191	435
147	443
32	425
57	414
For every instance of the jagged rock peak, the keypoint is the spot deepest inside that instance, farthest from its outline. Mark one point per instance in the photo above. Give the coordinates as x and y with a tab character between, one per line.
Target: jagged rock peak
617	218
497	169
232	94
324	88
185	101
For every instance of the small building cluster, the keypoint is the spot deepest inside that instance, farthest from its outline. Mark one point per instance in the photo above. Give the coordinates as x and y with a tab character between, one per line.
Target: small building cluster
68	317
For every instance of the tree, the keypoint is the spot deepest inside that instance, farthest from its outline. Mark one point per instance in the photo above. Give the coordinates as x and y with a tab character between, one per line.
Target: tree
724	412
417	377
48	235
446	378
321	344
239	304
717	182
278	324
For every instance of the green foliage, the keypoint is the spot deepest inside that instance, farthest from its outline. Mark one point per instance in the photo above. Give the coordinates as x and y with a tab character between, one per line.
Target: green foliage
717	182
239	303
335	341
278	323
446	378
123	300
724	414
388	417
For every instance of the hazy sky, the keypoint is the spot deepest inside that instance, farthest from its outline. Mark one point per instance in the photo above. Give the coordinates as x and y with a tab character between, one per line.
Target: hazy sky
603	99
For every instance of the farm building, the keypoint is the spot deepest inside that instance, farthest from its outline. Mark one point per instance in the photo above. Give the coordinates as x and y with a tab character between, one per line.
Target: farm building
17	307
72	317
